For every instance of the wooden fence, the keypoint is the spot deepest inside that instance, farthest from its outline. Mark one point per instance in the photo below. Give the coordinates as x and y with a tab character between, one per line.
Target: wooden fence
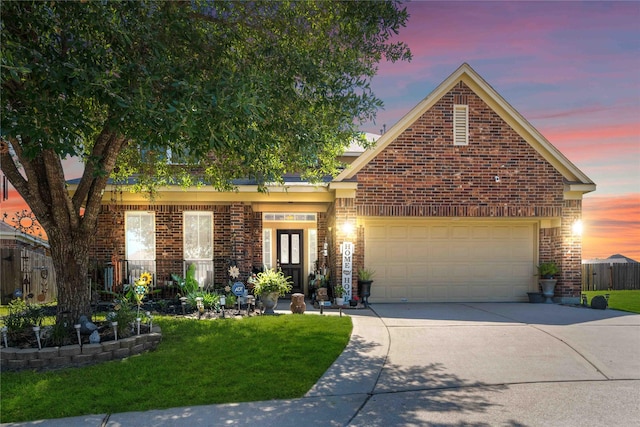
27	273
610	276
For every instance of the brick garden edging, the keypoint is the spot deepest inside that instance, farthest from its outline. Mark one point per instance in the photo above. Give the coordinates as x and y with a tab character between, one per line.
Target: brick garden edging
17	359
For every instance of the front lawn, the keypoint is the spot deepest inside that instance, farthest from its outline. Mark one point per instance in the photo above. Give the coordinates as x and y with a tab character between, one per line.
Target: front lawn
197	363
619	300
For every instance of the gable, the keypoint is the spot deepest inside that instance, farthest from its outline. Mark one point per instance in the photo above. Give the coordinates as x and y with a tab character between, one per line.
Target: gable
423	166
575	180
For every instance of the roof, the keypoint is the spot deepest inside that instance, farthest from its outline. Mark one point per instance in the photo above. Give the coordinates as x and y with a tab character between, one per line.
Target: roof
613	259
574	177
9	232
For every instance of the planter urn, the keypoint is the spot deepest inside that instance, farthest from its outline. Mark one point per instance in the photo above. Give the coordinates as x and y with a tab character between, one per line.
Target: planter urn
365	290
270	301
548	289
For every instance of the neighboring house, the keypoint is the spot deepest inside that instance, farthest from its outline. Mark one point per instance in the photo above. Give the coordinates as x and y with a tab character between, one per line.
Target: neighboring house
26	269
613	259
458	201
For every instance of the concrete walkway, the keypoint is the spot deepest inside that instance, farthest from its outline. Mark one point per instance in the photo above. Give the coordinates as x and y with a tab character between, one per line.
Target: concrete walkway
451	365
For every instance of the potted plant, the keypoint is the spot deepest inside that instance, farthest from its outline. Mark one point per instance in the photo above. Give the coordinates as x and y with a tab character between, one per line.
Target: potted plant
270	285
546	271
339	293
365	279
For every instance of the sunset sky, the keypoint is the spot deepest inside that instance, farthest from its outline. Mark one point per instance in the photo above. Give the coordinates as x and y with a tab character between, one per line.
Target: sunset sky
571	68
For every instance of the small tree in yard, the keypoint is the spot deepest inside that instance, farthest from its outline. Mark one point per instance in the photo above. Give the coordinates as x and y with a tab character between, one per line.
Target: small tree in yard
235	89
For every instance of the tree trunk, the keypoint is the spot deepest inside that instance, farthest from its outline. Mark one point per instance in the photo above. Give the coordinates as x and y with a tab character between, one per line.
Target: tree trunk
70	254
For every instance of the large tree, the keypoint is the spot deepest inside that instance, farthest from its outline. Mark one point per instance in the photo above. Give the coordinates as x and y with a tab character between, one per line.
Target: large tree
240	89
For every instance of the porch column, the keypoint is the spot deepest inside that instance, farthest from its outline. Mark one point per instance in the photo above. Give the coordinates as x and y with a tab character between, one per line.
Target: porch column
571	252
345	233
239	253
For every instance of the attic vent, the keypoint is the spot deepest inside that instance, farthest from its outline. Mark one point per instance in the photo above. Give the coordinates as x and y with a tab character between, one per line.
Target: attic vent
460	125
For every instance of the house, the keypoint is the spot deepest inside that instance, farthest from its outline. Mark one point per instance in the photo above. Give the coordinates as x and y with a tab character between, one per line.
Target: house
26	268
458	201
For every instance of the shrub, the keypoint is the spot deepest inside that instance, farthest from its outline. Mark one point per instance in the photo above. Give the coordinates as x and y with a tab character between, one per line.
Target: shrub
271	281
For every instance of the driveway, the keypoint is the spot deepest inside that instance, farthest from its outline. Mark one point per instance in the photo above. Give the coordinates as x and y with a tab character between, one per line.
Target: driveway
451	365
497	364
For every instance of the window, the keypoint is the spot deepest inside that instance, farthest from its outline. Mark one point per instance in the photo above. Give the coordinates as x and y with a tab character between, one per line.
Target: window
266	248
140	232
460	124
198	236
198	245
313	249
289	217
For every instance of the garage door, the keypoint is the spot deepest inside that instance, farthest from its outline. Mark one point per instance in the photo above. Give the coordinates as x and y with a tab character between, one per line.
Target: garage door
450	261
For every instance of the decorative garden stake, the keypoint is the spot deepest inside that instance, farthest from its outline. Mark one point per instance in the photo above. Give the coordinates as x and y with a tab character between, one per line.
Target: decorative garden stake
138	320
4	336
77	326
200	306
114	325
36	329
150	317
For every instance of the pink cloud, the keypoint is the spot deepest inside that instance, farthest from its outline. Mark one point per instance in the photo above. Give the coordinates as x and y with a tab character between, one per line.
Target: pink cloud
612	225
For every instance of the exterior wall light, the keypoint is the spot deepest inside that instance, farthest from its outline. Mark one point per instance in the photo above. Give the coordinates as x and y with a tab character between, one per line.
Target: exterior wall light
347	228
576	228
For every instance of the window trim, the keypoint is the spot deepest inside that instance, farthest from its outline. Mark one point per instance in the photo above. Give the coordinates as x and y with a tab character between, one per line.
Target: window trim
127	214
184	234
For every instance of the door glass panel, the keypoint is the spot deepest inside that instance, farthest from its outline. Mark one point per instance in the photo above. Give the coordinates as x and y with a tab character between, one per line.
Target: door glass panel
284	248
266	248
295	249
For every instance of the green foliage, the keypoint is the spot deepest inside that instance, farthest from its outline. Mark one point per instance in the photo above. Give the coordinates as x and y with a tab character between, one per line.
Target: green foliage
339	291
231	89
209	299
548	269
628	300
193	356
188	284
230	300
272	281
59	334
125	314
366	274
22	315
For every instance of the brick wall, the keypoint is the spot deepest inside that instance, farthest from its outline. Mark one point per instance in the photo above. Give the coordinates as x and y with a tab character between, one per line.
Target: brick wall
422	174
426	175
109	241
570	282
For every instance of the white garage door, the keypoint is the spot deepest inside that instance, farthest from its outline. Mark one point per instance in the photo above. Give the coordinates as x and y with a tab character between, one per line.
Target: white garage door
450	261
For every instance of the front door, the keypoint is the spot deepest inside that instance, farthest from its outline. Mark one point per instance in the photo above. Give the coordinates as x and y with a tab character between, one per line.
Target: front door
291	256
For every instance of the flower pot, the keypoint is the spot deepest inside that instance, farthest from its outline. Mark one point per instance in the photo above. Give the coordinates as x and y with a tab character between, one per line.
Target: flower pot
535	297
548	288
353	303
339	301
365	290
270	301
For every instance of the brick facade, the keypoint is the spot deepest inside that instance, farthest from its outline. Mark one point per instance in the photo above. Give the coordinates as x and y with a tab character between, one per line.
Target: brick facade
426	175
423	174
500	174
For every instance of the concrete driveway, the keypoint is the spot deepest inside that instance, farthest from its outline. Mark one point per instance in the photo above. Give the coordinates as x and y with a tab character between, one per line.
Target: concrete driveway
495	364
451	365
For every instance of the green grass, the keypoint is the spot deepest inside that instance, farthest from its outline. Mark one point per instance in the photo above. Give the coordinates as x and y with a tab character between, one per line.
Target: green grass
197	363
619	300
